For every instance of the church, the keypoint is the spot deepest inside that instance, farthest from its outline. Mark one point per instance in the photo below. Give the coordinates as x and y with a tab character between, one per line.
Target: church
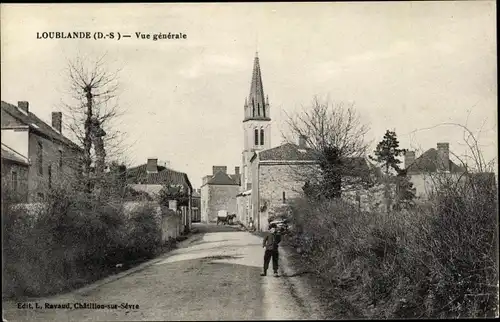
268	176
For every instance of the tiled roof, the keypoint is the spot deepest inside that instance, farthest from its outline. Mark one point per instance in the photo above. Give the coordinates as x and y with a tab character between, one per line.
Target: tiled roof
427	163
289	152
221	178
11	156
358	166
163	176
354	166
37	125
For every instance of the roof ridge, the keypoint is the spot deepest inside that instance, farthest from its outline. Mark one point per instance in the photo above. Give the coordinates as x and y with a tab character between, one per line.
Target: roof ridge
32	119
216	176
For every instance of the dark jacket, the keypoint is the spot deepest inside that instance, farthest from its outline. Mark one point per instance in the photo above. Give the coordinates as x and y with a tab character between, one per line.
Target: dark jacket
271	241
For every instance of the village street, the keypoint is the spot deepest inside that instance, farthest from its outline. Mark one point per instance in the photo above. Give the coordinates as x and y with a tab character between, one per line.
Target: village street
214	275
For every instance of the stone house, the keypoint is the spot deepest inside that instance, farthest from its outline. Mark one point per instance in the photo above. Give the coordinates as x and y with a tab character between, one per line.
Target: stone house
218	192
48	157
151	178
433	161
278	175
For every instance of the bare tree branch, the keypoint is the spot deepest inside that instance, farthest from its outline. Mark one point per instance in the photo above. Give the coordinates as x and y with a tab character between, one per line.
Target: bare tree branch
92	110
334	135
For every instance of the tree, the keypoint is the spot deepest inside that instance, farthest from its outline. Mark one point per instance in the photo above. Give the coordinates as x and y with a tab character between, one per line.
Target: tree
388	151
117	179
334	133
91	113
171	192
386	154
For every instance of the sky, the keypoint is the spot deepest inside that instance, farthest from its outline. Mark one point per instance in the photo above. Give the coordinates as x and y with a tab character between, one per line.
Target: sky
406	66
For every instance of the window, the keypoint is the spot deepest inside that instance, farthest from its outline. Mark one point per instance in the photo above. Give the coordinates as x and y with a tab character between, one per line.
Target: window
256	137
60	158
40	158
14	181
261	137
284	197
40	196
50	176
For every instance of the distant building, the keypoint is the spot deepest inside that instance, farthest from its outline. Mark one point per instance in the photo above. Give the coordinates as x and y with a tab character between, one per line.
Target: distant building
35	155
432	161
218	192
151	178
196	212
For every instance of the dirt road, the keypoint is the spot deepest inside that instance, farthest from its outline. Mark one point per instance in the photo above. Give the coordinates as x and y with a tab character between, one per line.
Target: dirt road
215	275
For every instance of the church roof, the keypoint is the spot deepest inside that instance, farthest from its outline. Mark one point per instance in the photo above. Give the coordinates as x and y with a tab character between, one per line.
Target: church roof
288	152
256	99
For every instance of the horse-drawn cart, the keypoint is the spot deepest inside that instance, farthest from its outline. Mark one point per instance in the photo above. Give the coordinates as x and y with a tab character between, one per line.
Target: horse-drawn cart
224	218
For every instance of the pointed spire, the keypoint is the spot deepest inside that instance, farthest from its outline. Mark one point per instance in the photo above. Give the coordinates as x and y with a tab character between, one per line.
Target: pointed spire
256	97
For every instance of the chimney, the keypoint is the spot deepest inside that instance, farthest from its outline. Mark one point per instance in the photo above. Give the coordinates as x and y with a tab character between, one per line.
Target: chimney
57	121
152	166
302	141
237	170
443	157
23	105
409	158
217	168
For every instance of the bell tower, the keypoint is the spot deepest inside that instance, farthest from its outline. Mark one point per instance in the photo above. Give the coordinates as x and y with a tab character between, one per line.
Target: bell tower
256	123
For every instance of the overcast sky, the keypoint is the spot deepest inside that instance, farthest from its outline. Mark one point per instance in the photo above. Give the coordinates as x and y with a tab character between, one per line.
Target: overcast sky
405	65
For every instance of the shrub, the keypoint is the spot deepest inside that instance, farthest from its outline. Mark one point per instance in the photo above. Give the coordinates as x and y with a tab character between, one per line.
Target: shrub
16	242
77	238
145	232
435	261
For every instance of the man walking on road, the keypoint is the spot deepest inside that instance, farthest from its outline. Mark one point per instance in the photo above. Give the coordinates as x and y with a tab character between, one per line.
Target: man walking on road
271	242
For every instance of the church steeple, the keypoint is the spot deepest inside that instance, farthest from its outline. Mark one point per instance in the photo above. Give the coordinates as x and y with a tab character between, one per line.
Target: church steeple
257	107
256	124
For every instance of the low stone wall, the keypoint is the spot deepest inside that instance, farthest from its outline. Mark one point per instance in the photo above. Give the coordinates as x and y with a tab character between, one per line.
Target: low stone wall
171	225
170	221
